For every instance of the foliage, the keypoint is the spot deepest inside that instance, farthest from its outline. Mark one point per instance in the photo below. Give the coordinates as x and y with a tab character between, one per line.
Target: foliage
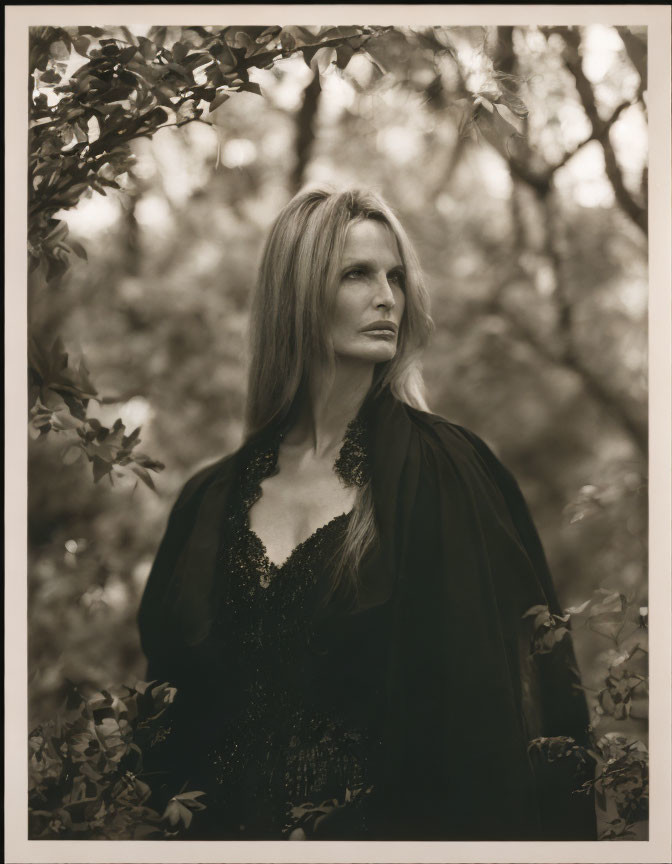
130	87
86	769
624	683
309	816
59	397
625	780
548	628
621	779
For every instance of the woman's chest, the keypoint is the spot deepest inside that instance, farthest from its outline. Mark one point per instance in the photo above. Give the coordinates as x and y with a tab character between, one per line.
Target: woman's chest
293	506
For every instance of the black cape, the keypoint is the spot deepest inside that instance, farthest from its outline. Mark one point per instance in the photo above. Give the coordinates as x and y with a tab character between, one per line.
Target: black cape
461	562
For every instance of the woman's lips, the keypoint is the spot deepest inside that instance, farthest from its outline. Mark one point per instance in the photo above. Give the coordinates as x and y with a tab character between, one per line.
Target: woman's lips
381	334
381	329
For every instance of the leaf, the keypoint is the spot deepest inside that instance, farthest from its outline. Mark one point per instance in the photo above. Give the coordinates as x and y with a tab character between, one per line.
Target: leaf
344	53
577	610
78	249
186	111
81	45
250	86
132	439
509	117
301	36
176	812
157	116
494	128
323	59
308	54
612	602
127	54
150	464
72	454
486	103
58	232
189	796
509	99
147	48
377	59
352	33
543	619
49	77
219	99
225	58
244	41
179	52
144	475
287	40
100	468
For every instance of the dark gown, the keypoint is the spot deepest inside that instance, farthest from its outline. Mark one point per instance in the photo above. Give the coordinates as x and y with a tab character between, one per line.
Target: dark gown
292	724
408	718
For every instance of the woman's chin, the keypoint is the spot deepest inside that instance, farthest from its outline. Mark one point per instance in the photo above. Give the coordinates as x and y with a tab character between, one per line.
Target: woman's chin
370	354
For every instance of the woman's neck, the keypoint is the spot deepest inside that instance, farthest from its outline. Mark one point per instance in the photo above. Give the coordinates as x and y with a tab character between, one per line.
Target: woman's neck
331	404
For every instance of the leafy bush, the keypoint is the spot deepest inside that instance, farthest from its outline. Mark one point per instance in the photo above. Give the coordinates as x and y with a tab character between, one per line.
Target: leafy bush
621	780
86	769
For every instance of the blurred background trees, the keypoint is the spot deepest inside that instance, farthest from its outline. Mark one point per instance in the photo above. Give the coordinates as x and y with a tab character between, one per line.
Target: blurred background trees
515	157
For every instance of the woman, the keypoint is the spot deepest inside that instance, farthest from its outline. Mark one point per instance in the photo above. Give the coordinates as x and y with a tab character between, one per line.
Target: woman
340	603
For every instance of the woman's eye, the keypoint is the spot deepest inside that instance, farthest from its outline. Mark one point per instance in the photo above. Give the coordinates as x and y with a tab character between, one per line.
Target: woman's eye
357	273
397	279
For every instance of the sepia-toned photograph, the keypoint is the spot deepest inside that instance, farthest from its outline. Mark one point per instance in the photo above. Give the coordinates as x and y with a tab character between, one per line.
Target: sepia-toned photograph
338	432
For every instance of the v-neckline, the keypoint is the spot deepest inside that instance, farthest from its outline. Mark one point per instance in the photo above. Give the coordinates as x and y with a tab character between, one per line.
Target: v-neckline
273	566
351	463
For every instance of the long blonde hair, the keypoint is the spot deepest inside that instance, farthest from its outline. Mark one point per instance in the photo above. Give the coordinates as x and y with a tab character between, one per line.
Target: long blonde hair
289	326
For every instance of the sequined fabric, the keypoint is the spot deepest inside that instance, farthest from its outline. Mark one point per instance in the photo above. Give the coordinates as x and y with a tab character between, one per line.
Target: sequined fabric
284	741
352	465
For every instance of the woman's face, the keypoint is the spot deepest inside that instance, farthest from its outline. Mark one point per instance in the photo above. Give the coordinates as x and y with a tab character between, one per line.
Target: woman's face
370	299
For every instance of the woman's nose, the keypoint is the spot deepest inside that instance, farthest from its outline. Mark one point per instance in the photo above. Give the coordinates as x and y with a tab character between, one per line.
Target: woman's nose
384	296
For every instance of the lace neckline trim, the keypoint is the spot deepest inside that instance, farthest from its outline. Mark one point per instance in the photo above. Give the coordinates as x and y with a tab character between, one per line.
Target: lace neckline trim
351	466
271	568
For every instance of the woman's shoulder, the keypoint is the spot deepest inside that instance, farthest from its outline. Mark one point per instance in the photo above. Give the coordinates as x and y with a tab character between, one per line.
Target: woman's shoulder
219	471
448	434
453	443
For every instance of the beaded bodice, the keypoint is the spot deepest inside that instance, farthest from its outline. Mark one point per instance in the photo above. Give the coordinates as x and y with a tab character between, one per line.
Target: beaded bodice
296	724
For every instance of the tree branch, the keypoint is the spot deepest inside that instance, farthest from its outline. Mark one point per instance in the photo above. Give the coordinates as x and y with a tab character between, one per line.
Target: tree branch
566	355
616	113
568	359
541	179
600	128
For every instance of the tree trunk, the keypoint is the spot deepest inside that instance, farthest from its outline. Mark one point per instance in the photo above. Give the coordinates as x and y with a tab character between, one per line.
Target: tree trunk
305	131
